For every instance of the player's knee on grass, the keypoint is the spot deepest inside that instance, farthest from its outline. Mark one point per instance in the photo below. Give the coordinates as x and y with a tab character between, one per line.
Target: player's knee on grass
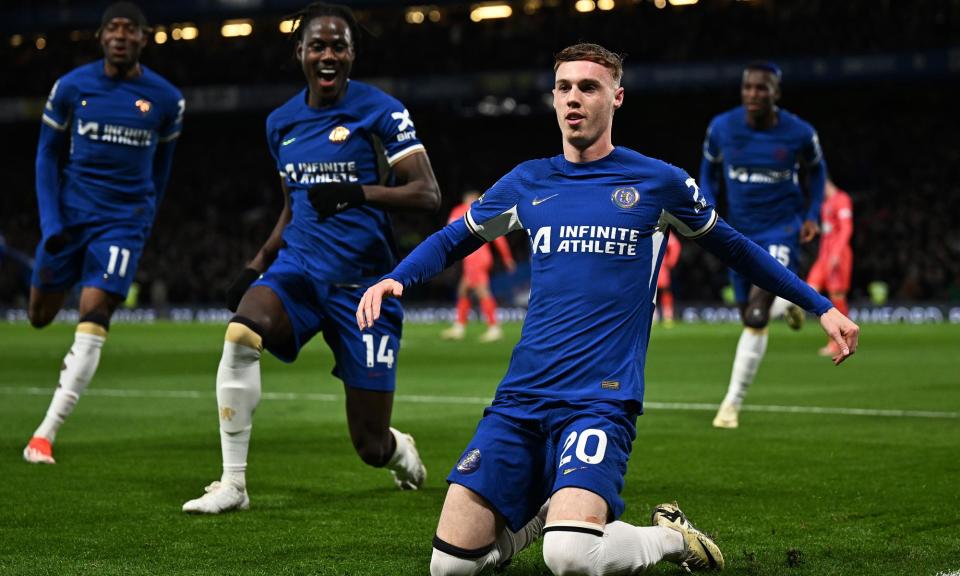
571	550
449	560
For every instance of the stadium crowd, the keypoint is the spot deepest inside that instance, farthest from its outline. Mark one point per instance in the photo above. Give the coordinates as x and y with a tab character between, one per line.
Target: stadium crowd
885	141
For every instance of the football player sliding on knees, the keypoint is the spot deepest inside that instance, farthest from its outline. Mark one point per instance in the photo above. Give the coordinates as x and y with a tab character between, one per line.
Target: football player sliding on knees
563	420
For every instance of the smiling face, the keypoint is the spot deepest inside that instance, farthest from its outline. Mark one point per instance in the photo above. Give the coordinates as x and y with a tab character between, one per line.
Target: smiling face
585	96
122	40
325	52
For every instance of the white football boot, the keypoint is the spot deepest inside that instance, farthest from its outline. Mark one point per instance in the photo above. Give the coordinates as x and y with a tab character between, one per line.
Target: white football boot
492	334
728	416
407	468
700	552
455	332
220	497
794	316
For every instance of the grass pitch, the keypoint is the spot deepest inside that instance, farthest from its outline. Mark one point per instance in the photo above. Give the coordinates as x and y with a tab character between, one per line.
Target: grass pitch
795	493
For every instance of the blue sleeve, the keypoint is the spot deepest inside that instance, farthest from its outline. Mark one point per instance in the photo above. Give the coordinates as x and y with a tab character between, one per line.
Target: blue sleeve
433	255
52	142
162	163
710	165
396	130
812	156
761	268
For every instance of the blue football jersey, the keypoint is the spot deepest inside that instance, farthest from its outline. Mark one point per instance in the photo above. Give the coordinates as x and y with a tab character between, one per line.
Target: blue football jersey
597	232
760	170
114	127
342	143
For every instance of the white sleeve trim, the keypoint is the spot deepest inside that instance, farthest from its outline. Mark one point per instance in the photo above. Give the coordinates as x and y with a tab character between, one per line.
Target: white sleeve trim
165	139
688	232
494	227
53	123
711	158
392	160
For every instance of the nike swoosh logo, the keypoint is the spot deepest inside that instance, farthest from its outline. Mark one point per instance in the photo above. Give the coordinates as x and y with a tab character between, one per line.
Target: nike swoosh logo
538	201
341	206
290	141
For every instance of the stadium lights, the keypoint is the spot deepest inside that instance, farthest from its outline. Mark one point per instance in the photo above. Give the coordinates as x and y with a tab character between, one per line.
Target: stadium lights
236	28
40	42
286	26
683	2
16	40
585	5
160	35
185	31
434	15
606	4
531	6
661	4
490	11
414	16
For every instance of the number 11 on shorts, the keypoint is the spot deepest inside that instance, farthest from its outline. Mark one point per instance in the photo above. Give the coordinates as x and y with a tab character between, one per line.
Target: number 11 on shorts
124	255
384	353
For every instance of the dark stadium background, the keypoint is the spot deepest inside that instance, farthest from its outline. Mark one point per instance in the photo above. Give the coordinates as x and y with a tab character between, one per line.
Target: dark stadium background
878	79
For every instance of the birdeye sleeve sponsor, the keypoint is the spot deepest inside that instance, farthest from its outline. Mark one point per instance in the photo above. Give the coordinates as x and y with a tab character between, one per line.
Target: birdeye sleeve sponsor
396	130
495	212
59	107
685	208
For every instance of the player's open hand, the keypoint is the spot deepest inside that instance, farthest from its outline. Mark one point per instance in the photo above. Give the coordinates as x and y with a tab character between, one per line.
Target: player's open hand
841	330
369	309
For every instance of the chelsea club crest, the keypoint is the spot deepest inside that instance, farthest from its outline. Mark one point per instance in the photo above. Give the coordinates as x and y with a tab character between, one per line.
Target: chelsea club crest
470	462
625	198
339	134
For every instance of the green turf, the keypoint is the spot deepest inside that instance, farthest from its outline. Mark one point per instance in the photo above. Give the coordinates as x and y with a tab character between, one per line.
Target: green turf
801	494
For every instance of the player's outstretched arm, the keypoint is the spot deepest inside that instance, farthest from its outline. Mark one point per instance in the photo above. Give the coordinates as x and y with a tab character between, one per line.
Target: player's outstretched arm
368	311
763	270
441	249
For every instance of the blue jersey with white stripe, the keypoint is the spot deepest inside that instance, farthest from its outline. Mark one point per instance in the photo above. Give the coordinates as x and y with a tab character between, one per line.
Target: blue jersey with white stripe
598	233
114	127
341	143
760	171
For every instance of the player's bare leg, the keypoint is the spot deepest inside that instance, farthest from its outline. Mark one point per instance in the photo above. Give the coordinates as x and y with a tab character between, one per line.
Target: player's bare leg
79	365
379	445
750	350
471	536
578	540
260	317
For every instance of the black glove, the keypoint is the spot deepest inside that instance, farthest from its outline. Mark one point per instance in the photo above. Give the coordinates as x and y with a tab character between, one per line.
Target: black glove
239	287
335	197
57	242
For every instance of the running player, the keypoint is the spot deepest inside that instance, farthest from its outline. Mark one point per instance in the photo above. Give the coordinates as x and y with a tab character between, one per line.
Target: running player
757	154
476	279
115	122
664	291
834	263
562	422
332	240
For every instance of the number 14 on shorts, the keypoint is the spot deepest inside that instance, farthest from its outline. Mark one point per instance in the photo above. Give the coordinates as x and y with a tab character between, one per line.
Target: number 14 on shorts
384	352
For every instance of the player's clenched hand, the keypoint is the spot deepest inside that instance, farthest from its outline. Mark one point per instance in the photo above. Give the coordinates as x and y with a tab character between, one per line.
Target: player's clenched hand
369	309
335	197
809	231
841	330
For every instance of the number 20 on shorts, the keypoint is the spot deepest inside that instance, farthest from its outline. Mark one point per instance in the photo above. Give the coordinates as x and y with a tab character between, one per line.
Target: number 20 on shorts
581	441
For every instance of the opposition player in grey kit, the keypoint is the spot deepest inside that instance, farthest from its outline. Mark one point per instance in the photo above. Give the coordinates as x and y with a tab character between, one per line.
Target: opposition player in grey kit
562	423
